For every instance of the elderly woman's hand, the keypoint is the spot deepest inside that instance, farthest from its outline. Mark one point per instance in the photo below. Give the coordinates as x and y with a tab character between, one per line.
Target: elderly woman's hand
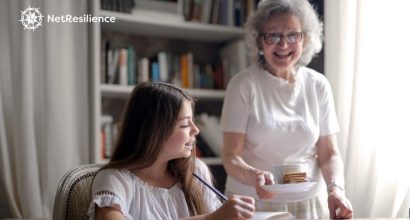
263	178
339	206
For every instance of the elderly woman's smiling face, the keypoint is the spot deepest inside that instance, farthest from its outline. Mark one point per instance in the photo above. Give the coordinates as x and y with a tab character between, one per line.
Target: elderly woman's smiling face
282	43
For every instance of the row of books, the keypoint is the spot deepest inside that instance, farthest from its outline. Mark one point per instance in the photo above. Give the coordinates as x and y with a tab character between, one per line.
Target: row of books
223	12
122	66
109	133
118	5
208	143
118	66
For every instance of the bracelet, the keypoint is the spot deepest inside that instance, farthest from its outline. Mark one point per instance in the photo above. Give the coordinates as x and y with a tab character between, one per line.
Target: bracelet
333	184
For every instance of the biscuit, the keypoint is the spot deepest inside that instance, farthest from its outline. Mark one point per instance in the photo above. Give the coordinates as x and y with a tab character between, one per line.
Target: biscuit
294	177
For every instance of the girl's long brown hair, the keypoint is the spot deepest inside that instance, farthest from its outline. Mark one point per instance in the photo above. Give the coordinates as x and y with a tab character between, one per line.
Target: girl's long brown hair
149	119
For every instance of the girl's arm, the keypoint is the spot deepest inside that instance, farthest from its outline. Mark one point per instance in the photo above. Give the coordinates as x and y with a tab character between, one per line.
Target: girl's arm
107	213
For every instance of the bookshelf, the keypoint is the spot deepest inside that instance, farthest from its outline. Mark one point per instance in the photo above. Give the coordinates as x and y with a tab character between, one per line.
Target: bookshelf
164	29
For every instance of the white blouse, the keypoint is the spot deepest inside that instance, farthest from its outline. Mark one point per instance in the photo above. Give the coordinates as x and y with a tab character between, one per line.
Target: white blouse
281	122
137	199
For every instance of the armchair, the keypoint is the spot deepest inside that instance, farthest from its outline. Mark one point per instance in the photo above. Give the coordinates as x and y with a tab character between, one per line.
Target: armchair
73	195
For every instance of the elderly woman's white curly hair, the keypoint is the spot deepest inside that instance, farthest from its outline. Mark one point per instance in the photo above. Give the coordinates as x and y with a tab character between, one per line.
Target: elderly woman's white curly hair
302	9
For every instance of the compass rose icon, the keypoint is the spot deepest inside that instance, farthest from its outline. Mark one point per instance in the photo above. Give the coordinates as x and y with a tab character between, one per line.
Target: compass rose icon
31	18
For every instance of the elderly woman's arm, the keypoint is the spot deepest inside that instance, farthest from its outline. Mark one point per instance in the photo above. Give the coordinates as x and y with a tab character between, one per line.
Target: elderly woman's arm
331	164
330	160
238	169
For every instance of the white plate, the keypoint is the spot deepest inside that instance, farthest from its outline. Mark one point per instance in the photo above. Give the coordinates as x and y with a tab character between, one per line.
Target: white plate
290	188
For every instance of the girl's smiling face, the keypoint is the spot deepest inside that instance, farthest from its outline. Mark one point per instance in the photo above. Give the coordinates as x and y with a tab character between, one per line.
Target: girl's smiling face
182	140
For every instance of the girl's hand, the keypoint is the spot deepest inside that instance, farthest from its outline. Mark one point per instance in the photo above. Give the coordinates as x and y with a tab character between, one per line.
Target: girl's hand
237	207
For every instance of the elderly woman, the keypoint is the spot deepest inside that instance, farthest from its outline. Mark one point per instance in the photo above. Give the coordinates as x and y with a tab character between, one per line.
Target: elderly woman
278	111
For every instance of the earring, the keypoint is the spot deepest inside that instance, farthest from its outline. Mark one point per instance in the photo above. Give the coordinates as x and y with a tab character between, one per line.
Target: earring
261	52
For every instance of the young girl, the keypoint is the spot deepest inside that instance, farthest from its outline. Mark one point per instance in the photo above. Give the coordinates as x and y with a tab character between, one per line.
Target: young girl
150	173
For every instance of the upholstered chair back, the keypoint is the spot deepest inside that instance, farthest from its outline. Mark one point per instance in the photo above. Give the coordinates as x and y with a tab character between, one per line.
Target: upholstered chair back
73	193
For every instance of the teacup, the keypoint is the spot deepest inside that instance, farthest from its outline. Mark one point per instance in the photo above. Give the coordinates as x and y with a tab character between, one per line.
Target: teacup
279	171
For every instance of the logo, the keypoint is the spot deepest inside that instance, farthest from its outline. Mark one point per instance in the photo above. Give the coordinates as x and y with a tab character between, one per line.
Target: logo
31	18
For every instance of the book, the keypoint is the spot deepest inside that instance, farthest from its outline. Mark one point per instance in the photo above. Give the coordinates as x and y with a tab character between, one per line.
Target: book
215	12
118	5
122	64
176	70
107	138
273	216
112	59
218	76
184	71
163	66
187	9
197	76
155	72
187	70
206	11
230	13
223	12
169	7
196	10
104	49
250	8
239	12
190	61
143	70
131	66
207	78
234	58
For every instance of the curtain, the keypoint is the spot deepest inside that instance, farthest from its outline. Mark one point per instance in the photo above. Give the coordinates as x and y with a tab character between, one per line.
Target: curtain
367	63
44	124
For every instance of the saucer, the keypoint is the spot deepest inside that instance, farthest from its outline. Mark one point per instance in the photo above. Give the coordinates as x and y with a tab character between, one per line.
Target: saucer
290	188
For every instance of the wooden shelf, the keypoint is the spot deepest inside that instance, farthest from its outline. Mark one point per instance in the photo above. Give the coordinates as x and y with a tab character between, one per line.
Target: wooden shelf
118	91
141	22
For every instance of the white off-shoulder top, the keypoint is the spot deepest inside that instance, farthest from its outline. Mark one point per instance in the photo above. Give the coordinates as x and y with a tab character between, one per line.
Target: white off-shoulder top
137	199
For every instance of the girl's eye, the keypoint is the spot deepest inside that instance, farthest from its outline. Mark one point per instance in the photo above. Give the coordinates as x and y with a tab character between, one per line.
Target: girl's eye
184	126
